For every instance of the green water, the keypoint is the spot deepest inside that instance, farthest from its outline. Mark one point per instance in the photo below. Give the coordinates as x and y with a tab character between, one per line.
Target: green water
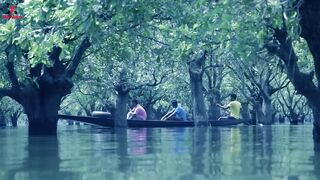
89	153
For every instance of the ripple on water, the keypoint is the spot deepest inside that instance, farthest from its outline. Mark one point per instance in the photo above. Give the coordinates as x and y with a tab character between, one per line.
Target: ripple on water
85	152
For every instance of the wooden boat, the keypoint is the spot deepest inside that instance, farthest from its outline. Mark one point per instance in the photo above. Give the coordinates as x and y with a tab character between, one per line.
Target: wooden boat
148	123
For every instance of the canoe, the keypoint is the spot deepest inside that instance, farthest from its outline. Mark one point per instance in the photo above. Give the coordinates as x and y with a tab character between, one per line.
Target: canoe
148	123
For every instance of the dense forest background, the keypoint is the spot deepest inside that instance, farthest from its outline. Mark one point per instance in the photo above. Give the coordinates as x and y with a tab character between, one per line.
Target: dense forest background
78	56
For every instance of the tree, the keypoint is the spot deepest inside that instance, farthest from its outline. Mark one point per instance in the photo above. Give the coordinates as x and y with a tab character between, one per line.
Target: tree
282	45
50	45
196	70
214	77
294	107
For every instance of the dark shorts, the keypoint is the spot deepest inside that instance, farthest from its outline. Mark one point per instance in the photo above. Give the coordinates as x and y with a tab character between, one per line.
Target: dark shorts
175	119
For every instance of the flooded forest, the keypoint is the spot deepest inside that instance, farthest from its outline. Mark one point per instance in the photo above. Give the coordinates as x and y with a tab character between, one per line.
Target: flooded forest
75	57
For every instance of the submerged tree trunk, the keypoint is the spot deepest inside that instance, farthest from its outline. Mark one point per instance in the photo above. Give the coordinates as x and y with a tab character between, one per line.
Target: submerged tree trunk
263	111
267	111
213	110
41	94
258	112
215	78
245	111
2	119
42	108
214	98
14	118
316	122
14	122
198	104
150	112
120	114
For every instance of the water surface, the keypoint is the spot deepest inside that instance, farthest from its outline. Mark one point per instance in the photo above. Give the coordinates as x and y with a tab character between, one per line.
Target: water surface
90	153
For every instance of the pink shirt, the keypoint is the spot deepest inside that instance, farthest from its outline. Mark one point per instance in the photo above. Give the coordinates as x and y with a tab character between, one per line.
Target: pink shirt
140	112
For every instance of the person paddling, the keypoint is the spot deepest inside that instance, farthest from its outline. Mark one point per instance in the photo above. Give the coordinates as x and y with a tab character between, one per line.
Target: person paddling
176	114
234	107
137	112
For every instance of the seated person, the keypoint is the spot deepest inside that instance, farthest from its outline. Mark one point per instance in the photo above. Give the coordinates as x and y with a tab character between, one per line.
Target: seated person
137	112
234	107
176	114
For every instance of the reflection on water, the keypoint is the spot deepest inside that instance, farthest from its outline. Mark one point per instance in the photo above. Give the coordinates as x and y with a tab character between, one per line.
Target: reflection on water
84	152
140	141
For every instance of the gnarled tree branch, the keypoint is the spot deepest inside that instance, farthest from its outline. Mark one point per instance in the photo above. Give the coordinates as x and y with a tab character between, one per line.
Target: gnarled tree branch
283	85
9	92
71	69
211	66
302	82
156	82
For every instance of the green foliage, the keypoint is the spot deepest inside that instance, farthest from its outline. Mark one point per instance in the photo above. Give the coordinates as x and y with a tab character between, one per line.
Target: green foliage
149	37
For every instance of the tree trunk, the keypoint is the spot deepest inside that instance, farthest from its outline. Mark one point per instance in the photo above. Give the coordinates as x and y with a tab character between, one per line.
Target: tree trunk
41	107
259	113
245	111
150	112
14	117
310	26
253	117
267	111
263	111
310	31
294	119
14	121
214	110
2	119
41	93
198	104
302	82
316	122
120	114
41	102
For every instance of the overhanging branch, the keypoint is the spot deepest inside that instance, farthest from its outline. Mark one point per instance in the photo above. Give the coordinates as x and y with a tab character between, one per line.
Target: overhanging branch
155	40
155	82
8	92
211	66
75	61
302	82
67	40
282	86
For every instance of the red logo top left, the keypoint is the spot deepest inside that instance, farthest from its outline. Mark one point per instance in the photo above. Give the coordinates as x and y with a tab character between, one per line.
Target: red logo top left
12	14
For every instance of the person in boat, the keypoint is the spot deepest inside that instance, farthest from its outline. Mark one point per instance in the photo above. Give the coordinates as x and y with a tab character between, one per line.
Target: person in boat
137	112
234	106
176	114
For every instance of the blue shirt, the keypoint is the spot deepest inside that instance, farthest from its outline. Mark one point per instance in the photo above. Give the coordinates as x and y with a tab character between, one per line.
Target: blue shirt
180	113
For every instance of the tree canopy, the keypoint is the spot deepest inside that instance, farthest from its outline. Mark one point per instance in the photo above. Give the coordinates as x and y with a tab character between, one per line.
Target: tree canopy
248	49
